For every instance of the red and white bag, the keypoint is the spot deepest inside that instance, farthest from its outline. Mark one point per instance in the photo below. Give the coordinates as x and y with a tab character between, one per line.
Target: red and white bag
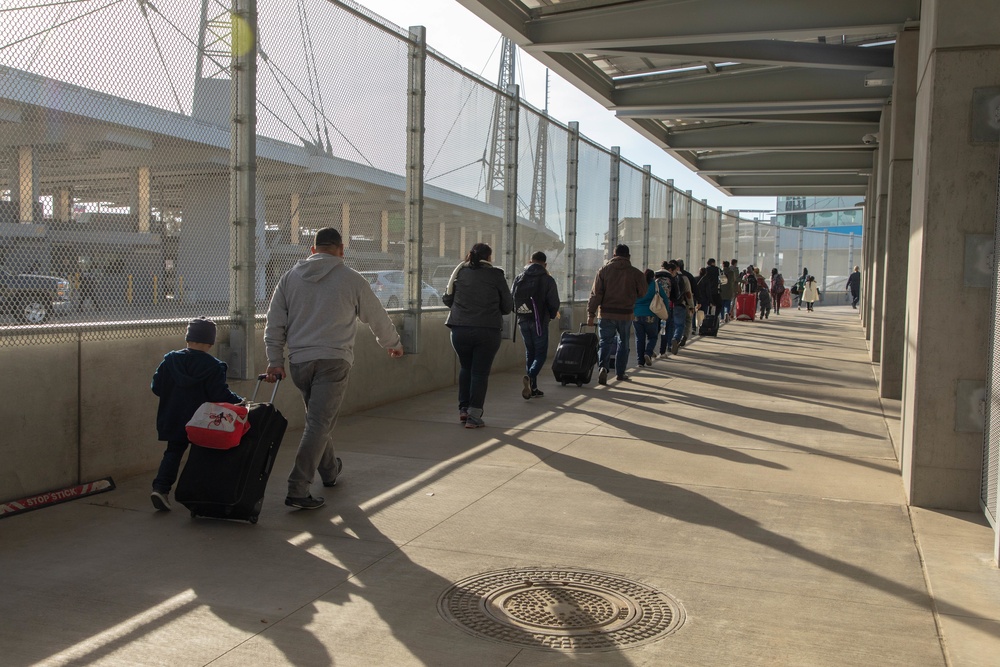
218	425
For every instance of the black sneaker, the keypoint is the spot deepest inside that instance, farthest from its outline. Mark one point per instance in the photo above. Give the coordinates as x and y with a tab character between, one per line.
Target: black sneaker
537	393
602	377
160	501
624	378
340	466
675	347
463	415
307	503
526	387
474	422
649	360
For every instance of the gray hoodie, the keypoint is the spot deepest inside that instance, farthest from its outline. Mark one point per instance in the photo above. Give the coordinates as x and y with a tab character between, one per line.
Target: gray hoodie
314	308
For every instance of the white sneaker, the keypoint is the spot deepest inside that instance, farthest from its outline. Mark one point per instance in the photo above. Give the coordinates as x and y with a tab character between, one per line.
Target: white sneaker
160	501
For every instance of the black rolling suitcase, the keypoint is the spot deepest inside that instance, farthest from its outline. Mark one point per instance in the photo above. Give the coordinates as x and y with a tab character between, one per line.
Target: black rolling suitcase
575	357
709	325
230	483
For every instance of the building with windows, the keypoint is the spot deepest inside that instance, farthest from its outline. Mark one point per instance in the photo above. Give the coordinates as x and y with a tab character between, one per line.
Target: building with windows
842	215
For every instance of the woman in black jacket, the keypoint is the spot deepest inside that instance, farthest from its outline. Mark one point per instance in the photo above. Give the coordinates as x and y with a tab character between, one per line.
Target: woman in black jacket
478	297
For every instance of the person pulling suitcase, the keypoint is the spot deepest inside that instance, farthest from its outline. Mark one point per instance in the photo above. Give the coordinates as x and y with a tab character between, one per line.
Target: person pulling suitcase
184	380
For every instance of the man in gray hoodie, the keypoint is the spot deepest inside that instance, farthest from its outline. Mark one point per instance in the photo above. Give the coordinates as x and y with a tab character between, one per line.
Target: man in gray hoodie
312	311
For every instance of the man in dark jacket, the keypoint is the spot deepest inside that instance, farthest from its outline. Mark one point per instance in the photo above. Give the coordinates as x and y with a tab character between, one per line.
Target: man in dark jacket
616	288
854	286
536	302
689	328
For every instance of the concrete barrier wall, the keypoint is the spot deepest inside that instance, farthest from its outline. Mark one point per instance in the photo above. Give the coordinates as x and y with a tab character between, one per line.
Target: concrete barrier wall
80	411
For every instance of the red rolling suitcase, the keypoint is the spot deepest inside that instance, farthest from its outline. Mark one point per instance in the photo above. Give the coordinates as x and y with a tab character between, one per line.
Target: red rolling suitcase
746	307
230	483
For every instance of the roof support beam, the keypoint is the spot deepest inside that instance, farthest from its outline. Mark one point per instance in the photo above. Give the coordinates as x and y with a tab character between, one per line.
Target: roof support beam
792	180
759	52
658	22
771	89
770	136
786	162
799	191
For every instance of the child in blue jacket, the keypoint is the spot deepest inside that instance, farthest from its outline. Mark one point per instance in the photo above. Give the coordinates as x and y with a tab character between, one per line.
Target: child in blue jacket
184	380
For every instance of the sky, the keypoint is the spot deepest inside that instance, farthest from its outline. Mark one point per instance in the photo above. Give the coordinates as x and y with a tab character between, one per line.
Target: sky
462	36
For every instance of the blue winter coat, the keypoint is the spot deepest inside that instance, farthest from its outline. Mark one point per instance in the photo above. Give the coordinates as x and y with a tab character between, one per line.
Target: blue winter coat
184	380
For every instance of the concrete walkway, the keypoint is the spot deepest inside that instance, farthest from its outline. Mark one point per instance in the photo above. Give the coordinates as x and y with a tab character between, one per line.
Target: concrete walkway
752	478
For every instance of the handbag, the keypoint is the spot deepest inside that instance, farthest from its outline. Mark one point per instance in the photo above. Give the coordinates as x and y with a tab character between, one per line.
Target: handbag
657	306
218	425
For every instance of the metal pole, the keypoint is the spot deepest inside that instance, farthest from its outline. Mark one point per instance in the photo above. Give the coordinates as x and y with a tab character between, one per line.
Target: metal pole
801	246
243	185
670	218
615	183
704	232
647	184
413	215
572	190
510	183
850	254
826	255
756	258
718	252
687	241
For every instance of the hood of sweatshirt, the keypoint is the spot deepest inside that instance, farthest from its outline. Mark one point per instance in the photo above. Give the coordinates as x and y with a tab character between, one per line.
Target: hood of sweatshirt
190	367
315	267
534	270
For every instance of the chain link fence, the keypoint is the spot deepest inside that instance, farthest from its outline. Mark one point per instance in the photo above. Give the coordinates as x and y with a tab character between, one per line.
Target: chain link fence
116	179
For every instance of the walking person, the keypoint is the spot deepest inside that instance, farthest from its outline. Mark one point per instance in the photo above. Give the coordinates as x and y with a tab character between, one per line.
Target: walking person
536	302
854	286
798	287
727	291
646	323
810	293
617	286
313	312
478	297
184	380
683	304
689	322
665	281
777	289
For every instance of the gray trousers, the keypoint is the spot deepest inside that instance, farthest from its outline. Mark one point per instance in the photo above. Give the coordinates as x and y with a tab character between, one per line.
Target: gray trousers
323	383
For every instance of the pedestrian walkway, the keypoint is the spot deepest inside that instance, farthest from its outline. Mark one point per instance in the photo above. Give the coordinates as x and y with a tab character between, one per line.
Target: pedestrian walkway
752	478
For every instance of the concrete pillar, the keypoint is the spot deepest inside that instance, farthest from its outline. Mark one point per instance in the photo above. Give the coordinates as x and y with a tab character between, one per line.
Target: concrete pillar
25	184
62	205
442	238
385	231
878	234
345	223
866	259
897	227
294	227
953	211
142	201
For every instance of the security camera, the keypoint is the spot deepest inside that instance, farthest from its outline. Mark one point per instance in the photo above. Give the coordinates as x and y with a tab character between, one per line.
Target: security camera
869	139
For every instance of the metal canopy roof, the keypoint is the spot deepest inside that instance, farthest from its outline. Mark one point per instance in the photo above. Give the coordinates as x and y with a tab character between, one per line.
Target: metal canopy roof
762	98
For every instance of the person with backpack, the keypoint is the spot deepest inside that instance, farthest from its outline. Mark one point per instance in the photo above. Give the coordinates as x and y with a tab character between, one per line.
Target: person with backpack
798	287
536	302
647	323
616	288
777	290
666	283
727	291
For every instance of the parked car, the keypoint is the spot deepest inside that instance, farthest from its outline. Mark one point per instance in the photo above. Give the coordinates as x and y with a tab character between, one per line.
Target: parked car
389	288
30	297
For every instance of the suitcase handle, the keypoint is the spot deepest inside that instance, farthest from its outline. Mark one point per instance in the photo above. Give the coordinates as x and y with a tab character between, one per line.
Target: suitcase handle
261	378
592	326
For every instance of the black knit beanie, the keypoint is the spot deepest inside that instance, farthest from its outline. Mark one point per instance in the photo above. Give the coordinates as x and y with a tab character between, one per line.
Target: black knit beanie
201	330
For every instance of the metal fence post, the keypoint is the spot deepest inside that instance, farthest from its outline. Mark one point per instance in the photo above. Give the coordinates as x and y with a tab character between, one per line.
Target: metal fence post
801	246
413	216
647	184
755	250
510	183
826	255
615	184
243	190
670	218
687	241
572	191
850	253
704	231
718	238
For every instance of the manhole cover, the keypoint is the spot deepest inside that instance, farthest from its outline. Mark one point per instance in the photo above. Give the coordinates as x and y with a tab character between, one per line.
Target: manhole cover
560	609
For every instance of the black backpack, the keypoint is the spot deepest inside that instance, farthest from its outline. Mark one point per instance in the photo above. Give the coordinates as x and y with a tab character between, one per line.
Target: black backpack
526	288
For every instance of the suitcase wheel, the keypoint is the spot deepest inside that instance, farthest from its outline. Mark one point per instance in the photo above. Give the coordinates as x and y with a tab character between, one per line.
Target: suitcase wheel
563	382
194	515
579	384
253	518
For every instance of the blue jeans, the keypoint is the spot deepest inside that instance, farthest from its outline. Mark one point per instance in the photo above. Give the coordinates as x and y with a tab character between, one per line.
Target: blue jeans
171	463
645	337
727	307
680	315
668	331
609	330
536	348
476	347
